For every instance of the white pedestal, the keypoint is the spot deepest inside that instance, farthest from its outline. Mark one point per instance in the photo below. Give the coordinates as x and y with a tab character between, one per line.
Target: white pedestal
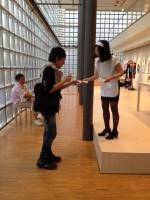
123	155
130	153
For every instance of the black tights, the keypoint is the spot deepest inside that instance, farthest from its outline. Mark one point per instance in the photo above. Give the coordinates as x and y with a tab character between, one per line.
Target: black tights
106	113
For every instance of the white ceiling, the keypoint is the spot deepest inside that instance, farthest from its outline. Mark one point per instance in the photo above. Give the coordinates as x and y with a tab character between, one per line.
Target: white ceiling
140	5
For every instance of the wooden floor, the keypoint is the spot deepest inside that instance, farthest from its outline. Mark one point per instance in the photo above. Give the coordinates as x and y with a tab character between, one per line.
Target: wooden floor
77	176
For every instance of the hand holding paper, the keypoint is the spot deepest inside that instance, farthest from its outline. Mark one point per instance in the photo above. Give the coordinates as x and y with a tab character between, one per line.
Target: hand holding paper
80	81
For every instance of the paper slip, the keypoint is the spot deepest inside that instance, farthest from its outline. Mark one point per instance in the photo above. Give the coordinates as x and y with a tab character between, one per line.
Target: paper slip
82	81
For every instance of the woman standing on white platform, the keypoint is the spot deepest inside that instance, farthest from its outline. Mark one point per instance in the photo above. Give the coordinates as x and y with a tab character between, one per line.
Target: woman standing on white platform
108	70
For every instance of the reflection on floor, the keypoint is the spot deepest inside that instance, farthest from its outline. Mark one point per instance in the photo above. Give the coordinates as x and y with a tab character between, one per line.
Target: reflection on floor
77	176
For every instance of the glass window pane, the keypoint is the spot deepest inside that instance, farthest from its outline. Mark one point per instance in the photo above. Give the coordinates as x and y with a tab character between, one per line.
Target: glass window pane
0	17
2	99
6	39
5	20
2	118
6	58
9	112
1	57
1	78
8	95
7	77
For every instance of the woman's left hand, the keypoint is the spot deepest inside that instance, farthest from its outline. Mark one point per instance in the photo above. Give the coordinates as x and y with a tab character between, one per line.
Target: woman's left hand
107	80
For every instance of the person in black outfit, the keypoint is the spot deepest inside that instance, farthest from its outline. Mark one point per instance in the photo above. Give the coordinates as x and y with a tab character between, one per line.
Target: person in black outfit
52	85
130	73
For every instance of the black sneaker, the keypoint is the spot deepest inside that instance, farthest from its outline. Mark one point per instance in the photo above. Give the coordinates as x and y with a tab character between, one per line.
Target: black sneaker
112	135
46	165
104	132
54	158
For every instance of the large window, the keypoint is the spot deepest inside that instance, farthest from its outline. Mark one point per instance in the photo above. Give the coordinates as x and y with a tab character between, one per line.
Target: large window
64	23
53	14
110	23
24	46
70	41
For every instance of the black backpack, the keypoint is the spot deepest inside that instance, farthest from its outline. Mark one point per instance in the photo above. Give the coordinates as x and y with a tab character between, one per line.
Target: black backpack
46	102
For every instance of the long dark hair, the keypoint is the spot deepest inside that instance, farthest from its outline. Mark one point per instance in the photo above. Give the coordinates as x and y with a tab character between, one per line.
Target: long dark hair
104	52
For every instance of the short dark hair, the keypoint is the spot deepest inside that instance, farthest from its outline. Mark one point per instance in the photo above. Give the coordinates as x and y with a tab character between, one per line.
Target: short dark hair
56	52
18	77
104	52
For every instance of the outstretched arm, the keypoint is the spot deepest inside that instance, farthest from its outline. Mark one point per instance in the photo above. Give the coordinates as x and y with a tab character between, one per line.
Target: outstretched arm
117	73
73	82
92	78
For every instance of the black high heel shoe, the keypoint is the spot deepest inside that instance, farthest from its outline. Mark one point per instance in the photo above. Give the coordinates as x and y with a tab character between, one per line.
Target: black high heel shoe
112	135
104	132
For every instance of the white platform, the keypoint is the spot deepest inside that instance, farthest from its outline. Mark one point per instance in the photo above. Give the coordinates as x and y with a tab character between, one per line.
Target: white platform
119	156
130	153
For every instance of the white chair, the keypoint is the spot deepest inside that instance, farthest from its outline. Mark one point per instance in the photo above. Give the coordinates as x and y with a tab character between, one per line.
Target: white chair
19	107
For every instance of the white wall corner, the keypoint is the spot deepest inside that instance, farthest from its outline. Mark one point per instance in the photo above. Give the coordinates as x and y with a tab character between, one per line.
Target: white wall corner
136	35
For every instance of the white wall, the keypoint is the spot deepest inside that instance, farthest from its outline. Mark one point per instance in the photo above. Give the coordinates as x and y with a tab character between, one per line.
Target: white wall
137	35
134	43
